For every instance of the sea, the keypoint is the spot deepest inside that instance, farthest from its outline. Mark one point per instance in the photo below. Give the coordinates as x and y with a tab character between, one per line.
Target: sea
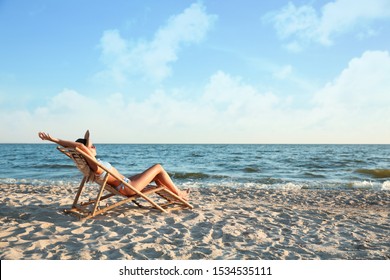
268	166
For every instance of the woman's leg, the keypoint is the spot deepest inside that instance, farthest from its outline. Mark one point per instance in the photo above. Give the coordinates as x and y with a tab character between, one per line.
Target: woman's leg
157	174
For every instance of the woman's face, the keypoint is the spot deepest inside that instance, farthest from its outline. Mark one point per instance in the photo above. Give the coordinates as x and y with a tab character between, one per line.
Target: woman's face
92	148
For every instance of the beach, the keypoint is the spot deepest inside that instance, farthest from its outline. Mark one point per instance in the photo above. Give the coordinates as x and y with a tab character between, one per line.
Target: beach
226	224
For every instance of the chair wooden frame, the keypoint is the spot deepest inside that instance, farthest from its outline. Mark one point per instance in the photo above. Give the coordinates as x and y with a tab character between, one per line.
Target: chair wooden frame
83	209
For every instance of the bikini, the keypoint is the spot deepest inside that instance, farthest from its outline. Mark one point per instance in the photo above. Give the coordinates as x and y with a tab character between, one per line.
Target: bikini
99	178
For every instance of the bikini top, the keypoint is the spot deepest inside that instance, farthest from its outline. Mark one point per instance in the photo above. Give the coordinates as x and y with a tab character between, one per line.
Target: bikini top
99	178
106	164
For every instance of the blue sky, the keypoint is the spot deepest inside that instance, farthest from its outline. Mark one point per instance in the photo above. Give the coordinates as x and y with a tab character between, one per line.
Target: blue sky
196	71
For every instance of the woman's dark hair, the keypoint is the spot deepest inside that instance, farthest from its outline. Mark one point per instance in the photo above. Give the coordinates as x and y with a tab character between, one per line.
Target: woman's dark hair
82	141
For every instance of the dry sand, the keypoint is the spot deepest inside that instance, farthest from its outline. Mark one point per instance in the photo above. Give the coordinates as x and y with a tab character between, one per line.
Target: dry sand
226	223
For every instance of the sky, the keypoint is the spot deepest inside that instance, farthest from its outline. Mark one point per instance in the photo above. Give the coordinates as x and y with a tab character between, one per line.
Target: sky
301	71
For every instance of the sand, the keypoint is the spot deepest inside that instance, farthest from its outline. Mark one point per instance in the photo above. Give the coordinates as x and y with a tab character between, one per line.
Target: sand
226	223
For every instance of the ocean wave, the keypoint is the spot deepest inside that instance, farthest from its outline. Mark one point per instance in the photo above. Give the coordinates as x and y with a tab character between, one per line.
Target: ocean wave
188	183
386	186
196	155
369	185
39	182
251	170
195	175
53	166
290	186
363	185
375	173
313	175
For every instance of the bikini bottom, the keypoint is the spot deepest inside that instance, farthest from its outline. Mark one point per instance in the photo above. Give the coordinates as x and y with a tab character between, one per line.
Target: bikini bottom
122	186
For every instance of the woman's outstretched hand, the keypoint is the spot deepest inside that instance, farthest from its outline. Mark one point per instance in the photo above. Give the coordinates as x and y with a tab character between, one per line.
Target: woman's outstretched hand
45	136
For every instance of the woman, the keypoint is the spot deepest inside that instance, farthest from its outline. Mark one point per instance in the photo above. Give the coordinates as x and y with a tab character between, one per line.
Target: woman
155	173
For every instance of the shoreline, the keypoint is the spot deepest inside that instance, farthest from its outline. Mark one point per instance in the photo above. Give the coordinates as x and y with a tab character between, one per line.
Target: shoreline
226	223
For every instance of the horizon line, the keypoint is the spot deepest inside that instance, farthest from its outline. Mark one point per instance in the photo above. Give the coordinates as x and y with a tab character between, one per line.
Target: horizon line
203	143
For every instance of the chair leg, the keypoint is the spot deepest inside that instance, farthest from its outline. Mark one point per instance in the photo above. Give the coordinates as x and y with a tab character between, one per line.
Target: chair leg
99	195
81	187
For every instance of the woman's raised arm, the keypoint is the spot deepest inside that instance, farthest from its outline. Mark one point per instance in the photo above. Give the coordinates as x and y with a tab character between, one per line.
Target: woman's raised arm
63	143
72	144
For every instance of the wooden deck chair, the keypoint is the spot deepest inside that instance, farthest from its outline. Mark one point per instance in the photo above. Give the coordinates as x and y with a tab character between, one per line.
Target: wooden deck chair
91	208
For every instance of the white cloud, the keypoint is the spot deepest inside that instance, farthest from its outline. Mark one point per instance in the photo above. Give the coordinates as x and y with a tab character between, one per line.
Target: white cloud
365	82
303	24
353	108
227	110
301	21
356	104
237	98
114	55
153	59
